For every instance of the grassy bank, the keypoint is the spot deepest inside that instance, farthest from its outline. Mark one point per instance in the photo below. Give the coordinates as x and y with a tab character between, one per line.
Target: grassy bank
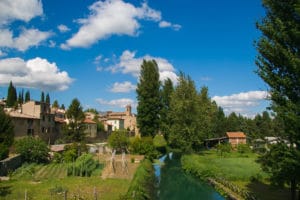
236	171
142	185
50	181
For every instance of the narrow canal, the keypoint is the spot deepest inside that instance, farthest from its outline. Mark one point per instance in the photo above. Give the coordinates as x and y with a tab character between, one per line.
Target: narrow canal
174	184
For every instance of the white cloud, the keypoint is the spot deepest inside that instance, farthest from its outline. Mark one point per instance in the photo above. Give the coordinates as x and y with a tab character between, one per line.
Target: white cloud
34	73
129	64
97	59
110	17
120	103
242	103
2	53
26	39
165	24
52	44
63	28
23	10
124	87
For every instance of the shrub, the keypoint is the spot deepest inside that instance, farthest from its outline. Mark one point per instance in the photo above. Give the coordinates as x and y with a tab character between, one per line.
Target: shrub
84	166
118	140
223	148
243	148
144	146
73	151
160	143
57	158
3	151
32	150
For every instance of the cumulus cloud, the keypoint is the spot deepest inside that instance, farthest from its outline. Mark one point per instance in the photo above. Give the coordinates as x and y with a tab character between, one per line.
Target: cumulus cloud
23	10
26	39
129	64
34	73
165	24
63	28
241	103
110	17
124	87
119	103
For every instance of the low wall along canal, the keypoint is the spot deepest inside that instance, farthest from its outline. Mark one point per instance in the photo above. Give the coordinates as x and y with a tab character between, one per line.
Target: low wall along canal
173	183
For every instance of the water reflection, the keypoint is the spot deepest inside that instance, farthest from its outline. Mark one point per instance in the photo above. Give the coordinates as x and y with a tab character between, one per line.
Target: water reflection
174	184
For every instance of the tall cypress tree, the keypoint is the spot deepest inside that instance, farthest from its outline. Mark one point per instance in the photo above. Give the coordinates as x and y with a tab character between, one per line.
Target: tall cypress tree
48	99
278	64
42	97
27	96
148	96
11	95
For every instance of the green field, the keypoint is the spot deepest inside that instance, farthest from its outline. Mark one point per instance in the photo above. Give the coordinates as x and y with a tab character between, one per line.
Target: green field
238	169
39	180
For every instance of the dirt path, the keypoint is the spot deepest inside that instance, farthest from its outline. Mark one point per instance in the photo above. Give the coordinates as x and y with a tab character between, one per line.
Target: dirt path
121	169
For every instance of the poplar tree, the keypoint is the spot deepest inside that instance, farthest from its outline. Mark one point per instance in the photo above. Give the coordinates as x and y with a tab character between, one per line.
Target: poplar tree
148	97
42	97
278	64
27	96
48	98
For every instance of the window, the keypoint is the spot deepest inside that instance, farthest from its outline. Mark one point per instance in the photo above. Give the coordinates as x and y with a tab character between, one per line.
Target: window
43	129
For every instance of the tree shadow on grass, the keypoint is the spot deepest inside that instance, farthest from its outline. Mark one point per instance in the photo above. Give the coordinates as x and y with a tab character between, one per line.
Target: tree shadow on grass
267	192
5	190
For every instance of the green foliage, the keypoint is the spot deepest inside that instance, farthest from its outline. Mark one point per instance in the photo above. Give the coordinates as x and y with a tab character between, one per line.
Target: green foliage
144	146
48	99
27	96
281	162
184	130
74	131
84	166
243	148
55	104
57	158
142	185
148	97
73	151
119	140
6	129
223	148
165	121
3	151
42	97
278	65
160	143
11	95
32	150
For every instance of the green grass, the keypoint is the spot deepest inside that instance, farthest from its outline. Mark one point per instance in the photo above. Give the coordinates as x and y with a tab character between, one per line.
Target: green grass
38	180
240	169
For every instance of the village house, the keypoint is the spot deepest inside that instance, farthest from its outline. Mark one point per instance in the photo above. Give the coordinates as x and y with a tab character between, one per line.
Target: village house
90	128
33	118
120	120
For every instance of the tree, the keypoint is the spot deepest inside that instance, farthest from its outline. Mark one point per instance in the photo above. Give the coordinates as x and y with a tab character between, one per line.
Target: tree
55	104
75	130
148	97
48	99
42	97
119	140
278	65
6	134
21	97
165	121
184	130
32	150
27	96
62	106
11	95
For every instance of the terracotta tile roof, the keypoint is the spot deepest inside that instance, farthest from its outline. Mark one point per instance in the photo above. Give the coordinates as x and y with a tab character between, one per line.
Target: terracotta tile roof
21	115
236	135
89	121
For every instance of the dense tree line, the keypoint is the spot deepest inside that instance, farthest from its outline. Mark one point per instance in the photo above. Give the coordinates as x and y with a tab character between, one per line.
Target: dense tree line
186	116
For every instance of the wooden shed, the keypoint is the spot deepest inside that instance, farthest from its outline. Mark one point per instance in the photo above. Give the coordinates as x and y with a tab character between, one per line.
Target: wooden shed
236	138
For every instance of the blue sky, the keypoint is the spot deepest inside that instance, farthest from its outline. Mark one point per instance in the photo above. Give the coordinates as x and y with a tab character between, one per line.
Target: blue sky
92	50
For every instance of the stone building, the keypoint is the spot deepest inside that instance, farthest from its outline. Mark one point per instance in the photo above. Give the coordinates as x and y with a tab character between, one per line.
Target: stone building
33	118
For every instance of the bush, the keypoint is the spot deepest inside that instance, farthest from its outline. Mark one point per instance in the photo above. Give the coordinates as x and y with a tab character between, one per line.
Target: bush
144	146
160	143
57	158
118	140
84	166
243	148
223	149
32	150
3	151
73	151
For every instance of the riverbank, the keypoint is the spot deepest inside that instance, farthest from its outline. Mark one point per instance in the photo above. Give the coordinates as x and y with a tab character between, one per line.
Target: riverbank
235	174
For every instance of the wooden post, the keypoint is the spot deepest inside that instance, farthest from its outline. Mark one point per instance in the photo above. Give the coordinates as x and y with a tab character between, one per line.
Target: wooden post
65	195
95	194
25	194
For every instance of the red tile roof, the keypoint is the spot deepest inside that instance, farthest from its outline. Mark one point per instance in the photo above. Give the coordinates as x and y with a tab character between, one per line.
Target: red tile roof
89	121
236	135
